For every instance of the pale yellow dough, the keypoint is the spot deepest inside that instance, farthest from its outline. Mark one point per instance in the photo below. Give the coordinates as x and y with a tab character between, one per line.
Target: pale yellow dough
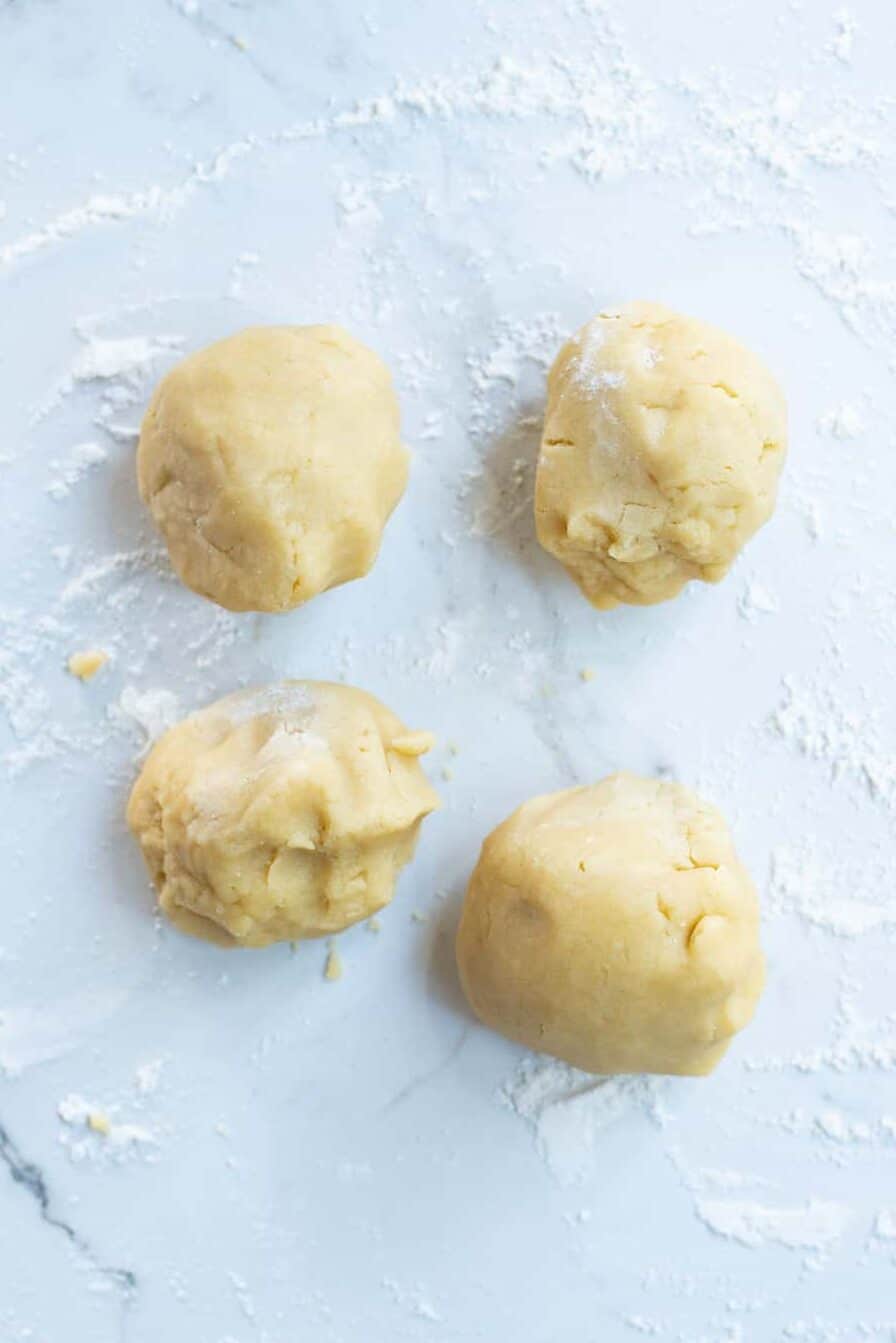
614	927
663	442
271	462
86	665
279	813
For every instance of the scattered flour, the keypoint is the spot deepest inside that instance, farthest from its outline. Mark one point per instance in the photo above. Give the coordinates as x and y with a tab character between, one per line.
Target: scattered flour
243	1296
104	1134
824	893
68	472
99	573
148	1076
90	1133
842	44
119	367
415	1300
840	266
106	209
859	1045
848	741
837	1131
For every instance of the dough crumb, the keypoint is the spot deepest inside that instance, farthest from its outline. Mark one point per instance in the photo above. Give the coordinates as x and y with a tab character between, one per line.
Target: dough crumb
413	743
333	967
453	748
99	1122
374	925
86	664
587	674
447	772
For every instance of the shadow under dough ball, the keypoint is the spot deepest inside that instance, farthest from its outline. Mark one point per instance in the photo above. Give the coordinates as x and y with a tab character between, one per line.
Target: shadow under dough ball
614	927
280	813
270	462
663	442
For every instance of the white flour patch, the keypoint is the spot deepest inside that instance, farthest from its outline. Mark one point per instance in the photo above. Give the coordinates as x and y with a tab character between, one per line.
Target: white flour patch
515	354
101	360
817	1225
150	711
844	422
756	601
119	367
567	1109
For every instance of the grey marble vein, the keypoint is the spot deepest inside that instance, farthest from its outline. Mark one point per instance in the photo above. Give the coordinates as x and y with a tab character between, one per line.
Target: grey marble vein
422	1079
31	1178
209	28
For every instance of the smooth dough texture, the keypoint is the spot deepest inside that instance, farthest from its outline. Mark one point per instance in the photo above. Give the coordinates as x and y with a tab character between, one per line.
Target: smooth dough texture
614	927
280	813
663	442
270	462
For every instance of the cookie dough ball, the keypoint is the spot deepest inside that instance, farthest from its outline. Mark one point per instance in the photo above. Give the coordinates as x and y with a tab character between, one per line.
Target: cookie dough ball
613	927
663	442
270	462
280	813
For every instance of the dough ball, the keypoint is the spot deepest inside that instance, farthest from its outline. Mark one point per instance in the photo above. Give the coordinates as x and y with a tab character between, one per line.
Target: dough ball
280	813
270	462
663	442
613	927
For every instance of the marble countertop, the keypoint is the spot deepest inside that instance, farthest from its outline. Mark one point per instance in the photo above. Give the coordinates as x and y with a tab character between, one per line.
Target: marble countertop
229	1148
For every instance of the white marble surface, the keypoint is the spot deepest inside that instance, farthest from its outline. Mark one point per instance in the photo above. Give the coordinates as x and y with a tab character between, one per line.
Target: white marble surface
461	186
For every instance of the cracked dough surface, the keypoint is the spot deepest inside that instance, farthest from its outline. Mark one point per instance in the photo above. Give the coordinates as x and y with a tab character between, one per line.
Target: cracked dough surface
271	462
663	442
280	813
614	927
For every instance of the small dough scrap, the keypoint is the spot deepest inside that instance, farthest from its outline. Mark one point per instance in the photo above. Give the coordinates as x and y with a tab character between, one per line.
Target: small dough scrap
271	462
414	743
86	665
663	442
333	966
279	813
614	927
